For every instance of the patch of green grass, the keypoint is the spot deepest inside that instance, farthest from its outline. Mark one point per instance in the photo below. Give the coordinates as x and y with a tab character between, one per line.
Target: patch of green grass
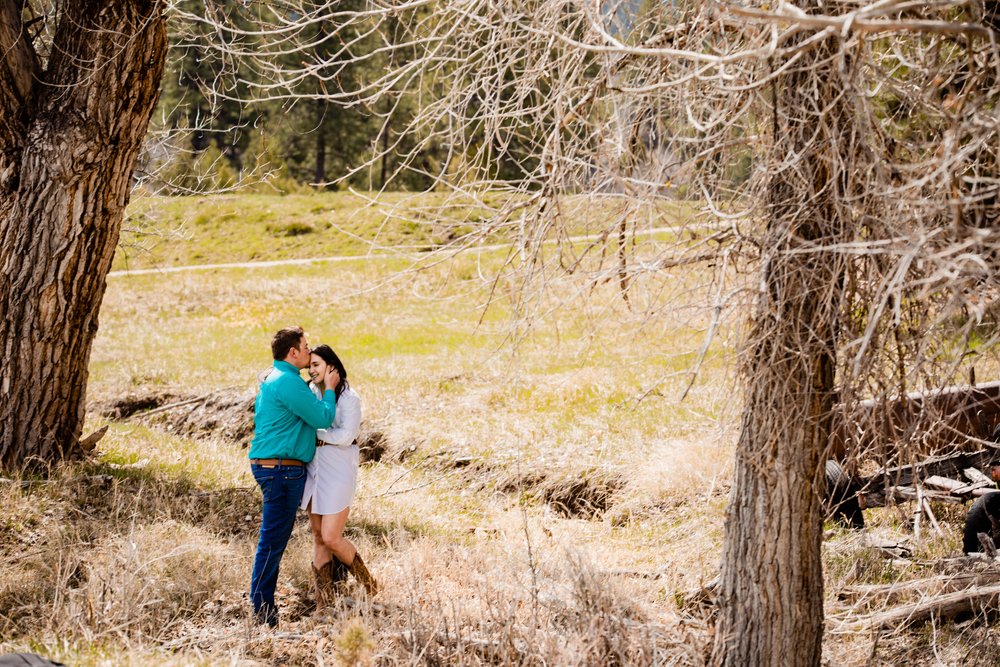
171	231
232	228
152	452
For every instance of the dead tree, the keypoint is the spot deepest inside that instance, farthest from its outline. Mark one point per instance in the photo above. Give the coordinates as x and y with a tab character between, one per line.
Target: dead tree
790	361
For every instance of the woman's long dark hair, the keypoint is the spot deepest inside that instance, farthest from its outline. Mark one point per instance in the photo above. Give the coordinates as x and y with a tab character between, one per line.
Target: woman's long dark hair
326	353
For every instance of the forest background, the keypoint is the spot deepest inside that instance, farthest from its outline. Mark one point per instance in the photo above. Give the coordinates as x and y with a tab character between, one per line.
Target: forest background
220	125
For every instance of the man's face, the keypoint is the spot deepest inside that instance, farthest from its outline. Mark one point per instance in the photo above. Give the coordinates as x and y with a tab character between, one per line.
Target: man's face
299	356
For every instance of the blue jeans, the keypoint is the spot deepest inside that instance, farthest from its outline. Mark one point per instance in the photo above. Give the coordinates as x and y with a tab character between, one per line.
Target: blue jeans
282	487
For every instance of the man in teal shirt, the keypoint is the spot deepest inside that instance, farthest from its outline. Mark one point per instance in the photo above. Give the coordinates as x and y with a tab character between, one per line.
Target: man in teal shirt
286	416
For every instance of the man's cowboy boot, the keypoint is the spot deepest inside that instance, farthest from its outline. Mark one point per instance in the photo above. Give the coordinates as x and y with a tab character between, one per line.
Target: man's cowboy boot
363	576
325	593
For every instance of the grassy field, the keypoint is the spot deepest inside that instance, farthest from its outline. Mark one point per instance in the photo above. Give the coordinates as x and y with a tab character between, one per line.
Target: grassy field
544	497
165	231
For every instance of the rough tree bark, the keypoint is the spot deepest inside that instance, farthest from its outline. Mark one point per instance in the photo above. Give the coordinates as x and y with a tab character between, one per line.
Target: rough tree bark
771	587
71	126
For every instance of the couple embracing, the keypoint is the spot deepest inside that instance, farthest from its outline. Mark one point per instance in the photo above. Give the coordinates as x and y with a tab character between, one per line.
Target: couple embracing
303	455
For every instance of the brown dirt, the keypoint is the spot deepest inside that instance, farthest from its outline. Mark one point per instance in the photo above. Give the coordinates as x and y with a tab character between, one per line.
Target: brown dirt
125	407
574	494
583	497
224	414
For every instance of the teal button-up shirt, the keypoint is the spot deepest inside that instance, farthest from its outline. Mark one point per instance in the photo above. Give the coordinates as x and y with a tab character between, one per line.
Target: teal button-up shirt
287	414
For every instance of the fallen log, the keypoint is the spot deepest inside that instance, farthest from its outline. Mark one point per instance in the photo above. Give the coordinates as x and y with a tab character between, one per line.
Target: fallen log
944	483
949	605
960	564
901	493
938	584
892	549
90	442
942	466
986	542
930	516
961	416
974	475
972	488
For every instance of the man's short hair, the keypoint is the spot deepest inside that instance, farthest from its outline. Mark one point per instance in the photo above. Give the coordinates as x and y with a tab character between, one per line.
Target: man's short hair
285	340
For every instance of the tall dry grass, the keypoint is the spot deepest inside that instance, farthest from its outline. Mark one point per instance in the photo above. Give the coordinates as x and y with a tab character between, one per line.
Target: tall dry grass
109	565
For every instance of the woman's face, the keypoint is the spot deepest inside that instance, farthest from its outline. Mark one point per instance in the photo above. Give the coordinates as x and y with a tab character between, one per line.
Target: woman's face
317	368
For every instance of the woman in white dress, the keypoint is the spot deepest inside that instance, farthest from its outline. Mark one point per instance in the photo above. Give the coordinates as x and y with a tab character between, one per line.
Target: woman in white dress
331	481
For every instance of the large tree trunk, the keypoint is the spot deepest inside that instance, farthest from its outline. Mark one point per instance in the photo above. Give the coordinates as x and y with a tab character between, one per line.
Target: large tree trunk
70	133
771	592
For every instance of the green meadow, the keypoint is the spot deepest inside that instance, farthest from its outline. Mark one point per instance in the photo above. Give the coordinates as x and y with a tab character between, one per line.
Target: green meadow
169	231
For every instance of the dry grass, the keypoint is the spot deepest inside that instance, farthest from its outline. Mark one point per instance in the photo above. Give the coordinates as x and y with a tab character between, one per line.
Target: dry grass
106	564
546	507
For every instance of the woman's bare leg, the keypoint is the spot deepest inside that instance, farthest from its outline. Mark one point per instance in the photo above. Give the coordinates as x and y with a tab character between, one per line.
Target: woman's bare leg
332	536
343	550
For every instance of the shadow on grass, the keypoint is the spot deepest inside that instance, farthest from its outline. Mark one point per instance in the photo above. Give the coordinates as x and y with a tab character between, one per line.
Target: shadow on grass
109	494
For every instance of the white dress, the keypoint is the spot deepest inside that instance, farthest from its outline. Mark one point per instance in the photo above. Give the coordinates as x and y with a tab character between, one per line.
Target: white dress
332	475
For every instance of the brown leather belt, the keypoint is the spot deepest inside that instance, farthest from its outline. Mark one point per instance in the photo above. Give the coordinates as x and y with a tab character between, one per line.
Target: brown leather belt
270	463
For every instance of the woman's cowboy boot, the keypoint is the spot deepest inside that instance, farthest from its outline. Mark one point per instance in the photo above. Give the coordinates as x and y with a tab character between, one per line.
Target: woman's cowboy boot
362	574
325	593
338	574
